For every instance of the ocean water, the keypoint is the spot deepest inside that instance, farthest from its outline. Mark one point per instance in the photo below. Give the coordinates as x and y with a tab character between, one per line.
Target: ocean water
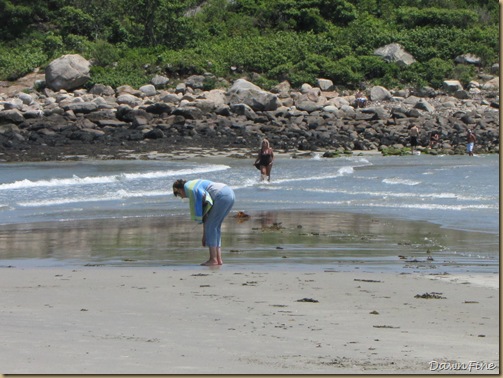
340	213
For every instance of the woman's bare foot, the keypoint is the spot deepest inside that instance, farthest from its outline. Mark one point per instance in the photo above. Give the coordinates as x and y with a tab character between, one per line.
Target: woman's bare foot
211	263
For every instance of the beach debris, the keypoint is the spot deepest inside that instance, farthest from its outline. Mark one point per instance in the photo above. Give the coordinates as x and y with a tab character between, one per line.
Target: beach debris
310	300
470	302
250	283
413	261
374	312
385	326
431	295
276	226
199	275
241	216
363	280
279	247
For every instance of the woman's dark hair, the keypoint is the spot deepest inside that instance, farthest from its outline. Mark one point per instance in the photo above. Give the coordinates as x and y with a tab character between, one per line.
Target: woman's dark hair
178	184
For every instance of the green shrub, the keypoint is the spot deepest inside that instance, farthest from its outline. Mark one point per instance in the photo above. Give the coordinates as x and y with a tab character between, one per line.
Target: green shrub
115	77
78	44
104	53
53	45
464	73
346	71
436	70
72	20
19	61
412	17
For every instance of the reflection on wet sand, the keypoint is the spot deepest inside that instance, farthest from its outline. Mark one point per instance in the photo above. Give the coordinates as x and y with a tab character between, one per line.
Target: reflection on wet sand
261	238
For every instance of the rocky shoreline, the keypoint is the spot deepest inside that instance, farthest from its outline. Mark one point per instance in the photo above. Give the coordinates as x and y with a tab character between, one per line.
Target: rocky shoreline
155	121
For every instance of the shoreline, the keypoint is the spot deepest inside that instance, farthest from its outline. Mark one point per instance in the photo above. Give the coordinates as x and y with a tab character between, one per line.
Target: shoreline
218	321
186	153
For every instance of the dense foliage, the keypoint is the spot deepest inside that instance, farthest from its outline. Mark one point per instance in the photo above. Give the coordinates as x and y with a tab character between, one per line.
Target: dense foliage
129	41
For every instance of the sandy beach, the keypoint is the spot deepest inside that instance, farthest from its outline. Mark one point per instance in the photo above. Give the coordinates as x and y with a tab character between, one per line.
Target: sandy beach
97	320
300	292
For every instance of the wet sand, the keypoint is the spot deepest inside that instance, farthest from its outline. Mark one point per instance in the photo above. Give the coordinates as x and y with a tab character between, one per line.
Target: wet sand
136	307
270	240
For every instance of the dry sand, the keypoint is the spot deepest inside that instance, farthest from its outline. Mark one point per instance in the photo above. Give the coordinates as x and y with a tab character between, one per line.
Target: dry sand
96	320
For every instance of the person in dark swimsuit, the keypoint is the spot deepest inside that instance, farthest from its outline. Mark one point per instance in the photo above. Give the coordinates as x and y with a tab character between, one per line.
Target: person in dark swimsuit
264	160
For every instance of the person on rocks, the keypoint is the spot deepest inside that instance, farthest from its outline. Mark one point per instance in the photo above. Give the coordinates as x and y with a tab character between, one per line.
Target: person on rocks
360	99
264	160
434	138
414	135
470	142
210	202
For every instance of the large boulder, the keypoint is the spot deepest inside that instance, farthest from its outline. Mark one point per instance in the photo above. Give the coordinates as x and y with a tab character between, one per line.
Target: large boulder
394	52
379	93
67	72
452	86
244	92
468	59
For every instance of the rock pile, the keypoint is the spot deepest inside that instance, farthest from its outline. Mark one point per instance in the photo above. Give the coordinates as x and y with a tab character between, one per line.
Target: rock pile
101	121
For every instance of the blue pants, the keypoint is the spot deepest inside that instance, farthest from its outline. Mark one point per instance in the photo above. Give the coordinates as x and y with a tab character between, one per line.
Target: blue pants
222	205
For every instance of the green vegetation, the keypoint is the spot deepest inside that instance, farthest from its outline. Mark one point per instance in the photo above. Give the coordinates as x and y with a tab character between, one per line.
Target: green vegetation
129	41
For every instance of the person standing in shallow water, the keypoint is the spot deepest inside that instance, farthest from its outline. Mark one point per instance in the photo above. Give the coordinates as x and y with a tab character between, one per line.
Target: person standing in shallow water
264	160
210	202
470	142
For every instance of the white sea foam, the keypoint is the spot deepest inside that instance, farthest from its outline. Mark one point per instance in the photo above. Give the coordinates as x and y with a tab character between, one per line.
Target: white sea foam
344	171
93	180
400	181
432	206
446	195
119	195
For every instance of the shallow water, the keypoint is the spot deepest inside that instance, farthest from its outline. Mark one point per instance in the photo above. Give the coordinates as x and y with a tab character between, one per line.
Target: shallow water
336	214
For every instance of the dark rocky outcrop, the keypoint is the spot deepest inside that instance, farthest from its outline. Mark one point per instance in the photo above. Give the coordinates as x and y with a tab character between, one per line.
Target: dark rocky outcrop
102	122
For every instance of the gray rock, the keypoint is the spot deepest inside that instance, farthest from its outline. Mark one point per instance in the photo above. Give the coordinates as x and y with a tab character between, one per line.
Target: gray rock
468	59
379	93
81	107
11	116
422	104
102	90
128	99
148	90
67	72
394	52
325	84
195	81
188	112
159	81
452	86
244	92
308	106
